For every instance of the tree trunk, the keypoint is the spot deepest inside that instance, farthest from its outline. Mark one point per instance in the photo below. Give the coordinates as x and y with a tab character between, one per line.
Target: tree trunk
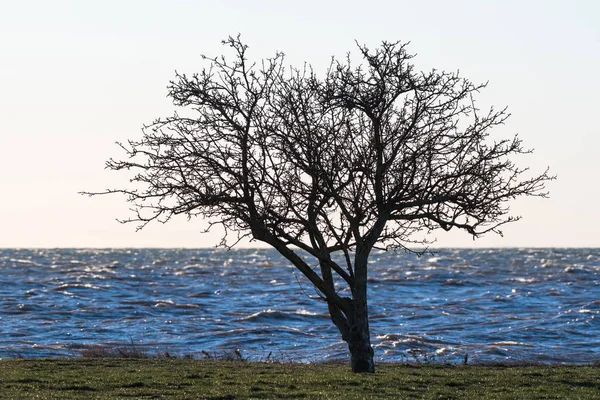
359	338
361	352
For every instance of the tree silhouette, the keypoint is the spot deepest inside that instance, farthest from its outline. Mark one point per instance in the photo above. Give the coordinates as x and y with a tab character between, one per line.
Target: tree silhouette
327	169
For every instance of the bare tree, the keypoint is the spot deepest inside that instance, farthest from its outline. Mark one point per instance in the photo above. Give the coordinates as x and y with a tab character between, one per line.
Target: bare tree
327	169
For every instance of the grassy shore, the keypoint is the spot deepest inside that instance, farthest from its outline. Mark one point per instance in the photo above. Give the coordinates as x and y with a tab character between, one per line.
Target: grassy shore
83	378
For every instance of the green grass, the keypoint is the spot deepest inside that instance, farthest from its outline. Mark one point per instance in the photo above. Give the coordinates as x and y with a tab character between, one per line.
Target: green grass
83	378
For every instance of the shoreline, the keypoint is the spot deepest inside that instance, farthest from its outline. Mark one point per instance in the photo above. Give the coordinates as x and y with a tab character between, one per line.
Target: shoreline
234	358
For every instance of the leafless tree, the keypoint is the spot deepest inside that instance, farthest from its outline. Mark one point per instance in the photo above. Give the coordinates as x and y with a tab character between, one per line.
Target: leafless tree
326	169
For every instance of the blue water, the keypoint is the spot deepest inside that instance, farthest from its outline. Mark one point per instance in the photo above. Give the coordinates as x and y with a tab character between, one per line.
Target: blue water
540	305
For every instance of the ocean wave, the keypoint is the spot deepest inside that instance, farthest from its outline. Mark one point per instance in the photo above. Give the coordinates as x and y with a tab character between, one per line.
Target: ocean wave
277	315
491	303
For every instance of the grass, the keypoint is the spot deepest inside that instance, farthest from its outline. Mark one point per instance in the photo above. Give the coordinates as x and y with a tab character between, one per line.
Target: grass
151	378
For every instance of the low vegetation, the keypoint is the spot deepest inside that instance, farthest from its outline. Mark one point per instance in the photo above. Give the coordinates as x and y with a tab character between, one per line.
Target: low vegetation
176	378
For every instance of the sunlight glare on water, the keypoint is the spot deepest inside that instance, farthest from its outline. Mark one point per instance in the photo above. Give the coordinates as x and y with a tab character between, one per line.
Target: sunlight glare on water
535	305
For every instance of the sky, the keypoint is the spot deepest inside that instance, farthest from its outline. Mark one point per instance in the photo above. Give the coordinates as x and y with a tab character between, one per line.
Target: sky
77	76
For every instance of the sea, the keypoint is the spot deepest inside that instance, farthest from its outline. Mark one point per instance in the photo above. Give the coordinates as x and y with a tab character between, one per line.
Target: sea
449	305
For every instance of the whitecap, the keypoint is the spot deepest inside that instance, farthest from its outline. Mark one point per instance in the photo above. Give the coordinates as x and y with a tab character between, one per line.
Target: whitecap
511	343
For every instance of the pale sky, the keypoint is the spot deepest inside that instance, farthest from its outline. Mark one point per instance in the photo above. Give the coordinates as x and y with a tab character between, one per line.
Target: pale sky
77	76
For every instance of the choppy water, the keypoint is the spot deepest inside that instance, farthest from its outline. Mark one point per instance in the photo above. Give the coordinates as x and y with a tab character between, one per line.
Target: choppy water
539	305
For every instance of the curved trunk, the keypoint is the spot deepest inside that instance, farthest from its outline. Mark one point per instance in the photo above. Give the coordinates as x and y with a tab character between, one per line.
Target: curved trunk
358	334
359	342
353	324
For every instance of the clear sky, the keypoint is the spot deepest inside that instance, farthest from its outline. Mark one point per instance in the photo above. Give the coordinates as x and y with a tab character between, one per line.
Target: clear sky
76	76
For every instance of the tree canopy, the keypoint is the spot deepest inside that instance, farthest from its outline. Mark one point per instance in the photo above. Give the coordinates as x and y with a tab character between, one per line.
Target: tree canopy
327	168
